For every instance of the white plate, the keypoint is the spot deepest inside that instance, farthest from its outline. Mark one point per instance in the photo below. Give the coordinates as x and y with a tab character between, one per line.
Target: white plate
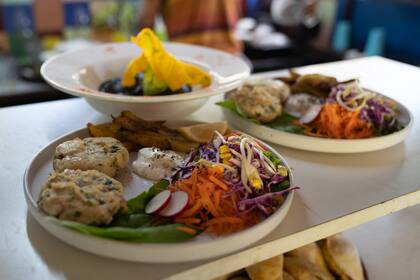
318	144
82	71
202	247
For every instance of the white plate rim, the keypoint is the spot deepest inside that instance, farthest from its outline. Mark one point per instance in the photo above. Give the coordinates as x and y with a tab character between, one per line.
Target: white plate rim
66	234
69	83
318	144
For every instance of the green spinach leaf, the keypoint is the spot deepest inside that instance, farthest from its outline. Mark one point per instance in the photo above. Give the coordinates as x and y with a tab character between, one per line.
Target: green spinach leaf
284	122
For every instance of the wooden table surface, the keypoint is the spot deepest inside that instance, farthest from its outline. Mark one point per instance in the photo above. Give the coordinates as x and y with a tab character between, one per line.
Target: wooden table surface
338	191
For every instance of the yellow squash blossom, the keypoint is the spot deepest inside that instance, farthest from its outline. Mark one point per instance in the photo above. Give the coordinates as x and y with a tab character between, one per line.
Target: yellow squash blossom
161	67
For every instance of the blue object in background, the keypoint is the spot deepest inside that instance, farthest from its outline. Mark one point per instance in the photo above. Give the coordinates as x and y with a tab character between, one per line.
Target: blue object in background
400	21
375	42
252	8
341	37
17	16
76	13
77	20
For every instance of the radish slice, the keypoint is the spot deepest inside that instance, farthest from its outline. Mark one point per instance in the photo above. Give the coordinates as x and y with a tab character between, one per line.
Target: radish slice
158	202
311	113
178	202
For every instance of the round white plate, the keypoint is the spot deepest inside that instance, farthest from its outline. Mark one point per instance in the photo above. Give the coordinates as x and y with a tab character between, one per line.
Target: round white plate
318	144
81	72
202	247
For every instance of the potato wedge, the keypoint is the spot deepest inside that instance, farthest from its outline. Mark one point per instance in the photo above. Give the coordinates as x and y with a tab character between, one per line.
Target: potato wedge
103	130
127	123
146	139
142	124
181	145
136	133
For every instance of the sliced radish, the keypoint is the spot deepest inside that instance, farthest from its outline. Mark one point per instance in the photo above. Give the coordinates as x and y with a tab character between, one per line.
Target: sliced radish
158	202
178	202
311	113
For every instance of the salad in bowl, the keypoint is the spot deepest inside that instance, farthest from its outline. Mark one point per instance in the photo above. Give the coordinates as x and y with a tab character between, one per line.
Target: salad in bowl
156	80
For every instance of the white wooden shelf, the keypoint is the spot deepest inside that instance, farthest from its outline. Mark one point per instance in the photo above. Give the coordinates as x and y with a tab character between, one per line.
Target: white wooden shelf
338	191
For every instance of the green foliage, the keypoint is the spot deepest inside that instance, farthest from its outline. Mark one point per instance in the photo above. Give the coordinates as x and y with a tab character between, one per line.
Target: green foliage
151	84
156	234
284	122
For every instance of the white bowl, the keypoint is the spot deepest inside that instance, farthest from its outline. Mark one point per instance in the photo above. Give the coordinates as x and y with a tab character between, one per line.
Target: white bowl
82	71
202	247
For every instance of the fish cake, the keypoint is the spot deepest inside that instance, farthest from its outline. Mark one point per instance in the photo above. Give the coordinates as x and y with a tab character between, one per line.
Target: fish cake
88	197
105	154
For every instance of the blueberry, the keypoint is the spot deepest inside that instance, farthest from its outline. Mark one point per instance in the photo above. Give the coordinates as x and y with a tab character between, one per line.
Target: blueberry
111	86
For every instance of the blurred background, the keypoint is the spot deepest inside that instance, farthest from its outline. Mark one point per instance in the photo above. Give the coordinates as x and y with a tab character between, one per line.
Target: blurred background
270	34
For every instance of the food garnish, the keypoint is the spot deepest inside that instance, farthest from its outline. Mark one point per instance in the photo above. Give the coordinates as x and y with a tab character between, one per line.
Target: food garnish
158	202
155	71
177	203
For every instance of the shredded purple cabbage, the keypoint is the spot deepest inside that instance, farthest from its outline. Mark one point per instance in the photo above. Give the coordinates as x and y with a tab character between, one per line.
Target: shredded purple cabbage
378	110
260	200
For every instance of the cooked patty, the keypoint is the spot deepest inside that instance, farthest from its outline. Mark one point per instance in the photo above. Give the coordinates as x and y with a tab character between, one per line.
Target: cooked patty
261	99
88	197
105	154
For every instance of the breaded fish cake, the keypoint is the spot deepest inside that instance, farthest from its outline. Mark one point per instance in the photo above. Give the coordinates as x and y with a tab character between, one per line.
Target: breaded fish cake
105	154
88	197
261	99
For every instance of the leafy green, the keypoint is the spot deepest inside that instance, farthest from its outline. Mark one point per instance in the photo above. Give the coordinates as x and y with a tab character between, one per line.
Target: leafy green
157	234
232	106
151	84
137	204
284	122
274	159
280	186
131	220
136	226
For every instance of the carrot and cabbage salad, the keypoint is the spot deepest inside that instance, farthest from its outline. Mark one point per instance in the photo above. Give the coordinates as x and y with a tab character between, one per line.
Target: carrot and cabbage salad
209	207
334	121
232	183
351	112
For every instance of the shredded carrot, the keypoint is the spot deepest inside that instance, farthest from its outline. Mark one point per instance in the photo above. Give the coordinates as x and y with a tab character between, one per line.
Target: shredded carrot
334	121
190	212
230	220
208	209
188	221
186	230
218	182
